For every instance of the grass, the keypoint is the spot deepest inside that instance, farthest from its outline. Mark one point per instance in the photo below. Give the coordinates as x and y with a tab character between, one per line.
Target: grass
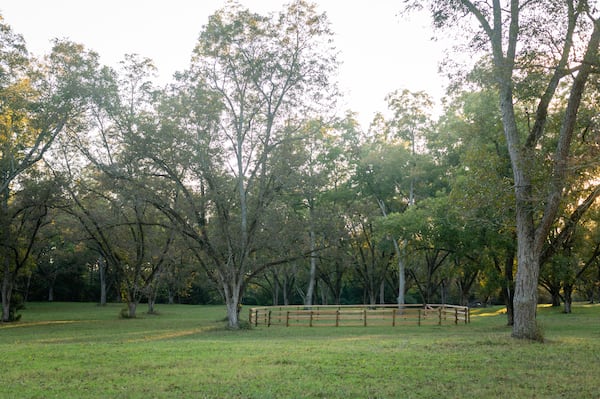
68	350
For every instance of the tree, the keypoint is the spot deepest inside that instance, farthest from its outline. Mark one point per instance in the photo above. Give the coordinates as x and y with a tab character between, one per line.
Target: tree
410	123
22	221
37	101
558	41
61	258
112	195
253	82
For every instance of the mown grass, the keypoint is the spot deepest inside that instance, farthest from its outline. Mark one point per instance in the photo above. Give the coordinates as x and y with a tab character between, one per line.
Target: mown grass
65	350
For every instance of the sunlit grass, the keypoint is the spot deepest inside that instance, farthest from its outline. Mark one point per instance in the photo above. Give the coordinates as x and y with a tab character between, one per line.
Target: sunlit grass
85	351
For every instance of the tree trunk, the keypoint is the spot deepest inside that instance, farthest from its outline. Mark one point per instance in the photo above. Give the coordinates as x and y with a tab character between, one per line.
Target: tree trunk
284	287
102	274
568	297
6	292
308	300
131	309
233	296
151	302
372	295
399	252
51	293
324	294
526	288
528	255
445	289
275	290
509	292
555	299
233	306
27	287
401	274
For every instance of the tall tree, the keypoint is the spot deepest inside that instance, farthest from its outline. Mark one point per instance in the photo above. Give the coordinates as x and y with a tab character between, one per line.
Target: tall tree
525	40
410	123
253	83
37	100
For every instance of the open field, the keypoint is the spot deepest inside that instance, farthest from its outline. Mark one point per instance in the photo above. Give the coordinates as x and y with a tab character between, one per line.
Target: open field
66	350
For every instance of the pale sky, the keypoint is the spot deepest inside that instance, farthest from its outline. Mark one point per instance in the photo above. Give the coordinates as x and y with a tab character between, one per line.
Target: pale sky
380	50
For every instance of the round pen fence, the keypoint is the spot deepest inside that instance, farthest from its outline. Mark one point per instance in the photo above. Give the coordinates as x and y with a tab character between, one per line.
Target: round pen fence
358	315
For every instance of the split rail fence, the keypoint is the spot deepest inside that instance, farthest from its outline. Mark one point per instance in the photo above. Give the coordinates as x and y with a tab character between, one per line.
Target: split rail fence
358	315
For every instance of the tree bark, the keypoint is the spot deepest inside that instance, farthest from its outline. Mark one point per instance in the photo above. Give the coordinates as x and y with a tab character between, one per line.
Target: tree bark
131	309
286	300
102	274
233	309
6	292
525	298
151	302
568	297
398	251
401	275
509	292
308	300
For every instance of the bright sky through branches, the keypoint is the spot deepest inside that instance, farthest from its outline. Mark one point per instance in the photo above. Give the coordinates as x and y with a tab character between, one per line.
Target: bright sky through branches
380	50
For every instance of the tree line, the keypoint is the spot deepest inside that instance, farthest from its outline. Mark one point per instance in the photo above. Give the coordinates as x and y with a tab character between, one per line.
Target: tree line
237	183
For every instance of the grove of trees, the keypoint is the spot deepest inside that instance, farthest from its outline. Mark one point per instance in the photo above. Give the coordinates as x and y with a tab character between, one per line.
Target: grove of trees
237	183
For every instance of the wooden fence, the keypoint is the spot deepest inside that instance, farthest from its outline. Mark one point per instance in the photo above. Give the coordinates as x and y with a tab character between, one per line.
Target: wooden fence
358	315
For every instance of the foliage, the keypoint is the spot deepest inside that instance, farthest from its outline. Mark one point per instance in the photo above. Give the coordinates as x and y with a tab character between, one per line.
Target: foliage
532	65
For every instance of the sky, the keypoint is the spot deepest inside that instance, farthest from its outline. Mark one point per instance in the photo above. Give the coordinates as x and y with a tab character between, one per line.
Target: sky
380	50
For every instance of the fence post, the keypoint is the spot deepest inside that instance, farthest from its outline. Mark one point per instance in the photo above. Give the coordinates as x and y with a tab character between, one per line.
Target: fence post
310	324
440	315
455	315
364	317
287	318
393	317
269	319
337	317
256	317
419	320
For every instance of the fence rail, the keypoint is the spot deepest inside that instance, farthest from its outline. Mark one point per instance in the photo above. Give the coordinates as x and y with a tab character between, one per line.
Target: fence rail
358	315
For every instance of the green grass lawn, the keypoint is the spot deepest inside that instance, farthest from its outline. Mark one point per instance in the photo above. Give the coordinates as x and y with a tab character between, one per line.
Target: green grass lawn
68	350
